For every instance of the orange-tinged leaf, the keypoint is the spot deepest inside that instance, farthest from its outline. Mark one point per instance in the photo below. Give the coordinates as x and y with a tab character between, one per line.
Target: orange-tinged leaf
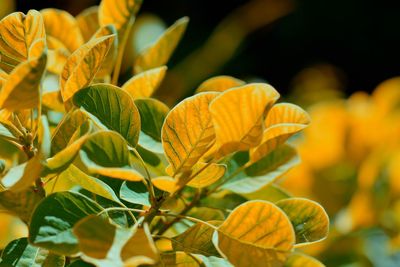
188	132
209	174
301	260
282	121
219	84
88	22
62	26
158	53
237	116
146	83
82	66
166	183
17	33
21	91
118	14
257	233
57	55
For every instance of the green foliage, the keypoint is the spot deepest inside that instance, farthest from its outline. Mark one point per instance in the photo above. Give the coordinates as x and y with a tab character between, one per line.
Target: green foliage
102	174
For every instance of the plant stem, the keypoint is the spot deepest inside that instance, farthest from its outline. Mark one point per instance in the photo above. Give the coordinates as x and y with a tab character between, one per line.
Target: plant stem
121	49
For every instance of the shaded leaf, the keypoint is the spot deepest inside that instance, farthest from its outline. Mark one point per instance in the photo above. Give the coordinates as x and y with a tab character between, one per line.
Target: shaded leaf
88	22
53	220
272	193
82	66
135	192
301	260
20	253
113	107
188	132
178	259
219	84
146	83
257	233
309	219
237	116
158	53
17	33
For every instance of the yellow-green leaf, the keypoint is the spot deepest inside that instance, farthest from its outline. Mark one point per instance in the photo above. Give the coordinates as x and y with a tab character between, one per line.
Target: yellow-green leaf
158	53
17	33
82	66
282	121
207	175
219	84
146	83
88	22
109	104
309	219
188	132
272	193
301	260
61	25
21	91
257	233
237	116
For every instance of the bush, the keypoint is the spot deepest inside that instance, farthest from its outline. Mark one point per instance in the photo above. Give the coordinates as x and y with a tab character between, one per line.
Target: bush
103	174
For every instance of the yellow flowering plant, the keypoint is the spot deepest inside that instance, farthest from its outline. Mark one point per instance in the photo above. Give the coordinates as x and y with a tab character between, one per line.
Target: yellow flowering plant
102	174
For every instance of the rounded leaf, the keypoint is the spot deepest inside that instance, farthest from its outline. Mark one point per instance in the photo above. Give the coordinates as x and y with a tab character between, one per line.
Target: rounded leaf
118	15
219	84
146	83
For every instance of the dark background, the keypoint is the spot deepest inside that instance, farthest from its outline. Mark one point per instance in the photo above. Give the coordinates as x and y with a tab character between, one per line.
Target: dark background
360	37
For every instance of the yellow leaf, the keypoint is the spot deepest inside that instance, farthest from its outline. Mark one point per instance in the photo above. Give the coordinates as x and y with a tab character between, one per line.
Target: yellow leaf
257	233
301	260
209	175
21	91
3	77
119	14
166	183
188	132
17	33
309	219
219	84
88	22
146	83
83	65
238	116
158	53
179	259
53	100
282	121
61	25
108	63
57	55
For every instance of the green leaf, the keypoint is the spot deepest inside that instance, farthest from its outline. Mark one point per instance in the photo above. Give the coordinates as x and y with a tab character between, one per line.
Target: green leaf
309	219
297	259
265	171
113	107
158	53
272	193
257	233
20	253
197	239
80	263
20	203
107	153
53	220
152	116
135	192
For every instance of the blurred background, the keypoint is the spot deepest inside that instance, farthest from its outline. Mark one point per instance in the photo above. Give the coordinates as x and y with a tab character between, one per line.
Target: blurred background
336	58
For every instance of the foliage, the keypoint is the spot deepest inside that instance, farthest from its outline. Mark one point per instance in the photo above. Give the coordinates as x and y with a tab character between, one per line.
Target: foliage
102	174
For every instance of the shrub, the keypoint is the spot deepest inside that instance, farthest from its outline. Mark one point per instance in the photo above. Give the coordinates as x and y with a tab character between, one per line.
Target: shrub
103	174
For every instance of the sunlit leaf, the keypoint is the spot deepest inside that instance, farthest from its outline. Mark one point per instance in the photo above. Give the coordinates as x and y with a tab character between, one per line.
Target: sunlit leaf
166	183
238	116
265	171
158	53
17	33
146	83
302	260
52	223
82	66
119	15
106	153
108	63
257	233
309	219
58	54
21	91
53	101
206	175
219	84
88	22
20	203
113	107
282	121
188	132
62	26
197	239
20	253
